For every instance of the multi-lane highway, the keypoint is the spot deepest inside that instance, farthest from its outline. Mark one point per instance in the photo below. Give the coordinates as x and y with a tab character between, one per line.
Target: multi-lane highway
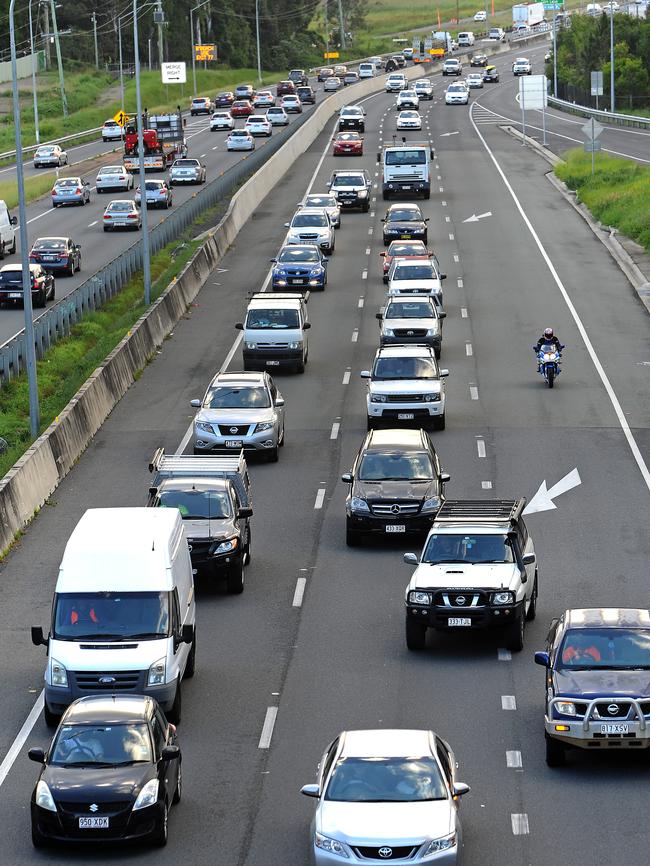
333	657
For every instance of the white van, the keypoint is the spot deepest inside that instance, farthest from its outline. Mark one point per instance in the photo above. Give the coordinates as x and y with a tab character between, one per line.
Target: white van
275	332
7	231
124	613
465	39
366	70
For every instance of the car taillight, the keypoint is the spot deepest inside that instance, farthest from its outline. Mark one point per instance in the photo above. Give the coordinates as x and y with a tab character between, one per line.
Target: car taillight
53	191
132	216
107	216
78	190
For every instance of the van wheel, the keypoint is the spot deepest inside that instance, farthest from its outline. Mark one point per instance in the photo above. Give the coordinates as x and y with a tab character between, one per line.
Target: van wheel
13	246
190	667
51	719
174	715
555	752
416	635
514	635
532	607
235	580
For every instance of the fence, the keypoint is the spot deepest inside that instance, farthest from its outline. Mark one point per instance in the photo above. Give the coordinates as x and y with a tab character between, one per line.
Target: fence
605	116
582	97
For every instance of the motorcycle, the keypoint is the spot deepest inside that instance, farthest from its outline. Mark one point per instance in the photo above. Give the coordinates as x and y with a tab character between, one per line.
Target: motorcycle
548	358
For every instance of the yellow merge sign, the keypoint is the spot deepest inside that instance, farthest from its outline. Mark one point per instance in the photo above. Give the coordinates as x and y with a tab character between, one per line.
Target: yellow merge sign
331	55
121	118
205	52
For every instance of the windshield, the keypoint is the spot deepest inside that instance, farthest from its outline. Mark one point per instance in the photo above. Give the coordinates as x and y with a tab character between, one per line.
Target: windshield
105	745
120	206
455	88
348	180
548	349
321	201
291	255
197	504
13	277
309	219
224	397
395	467
154	184
409	310
610	648
111	169
110	615
468	548
404	368
403	214
271	320
50	244
414	272
381	780
406	157
348	136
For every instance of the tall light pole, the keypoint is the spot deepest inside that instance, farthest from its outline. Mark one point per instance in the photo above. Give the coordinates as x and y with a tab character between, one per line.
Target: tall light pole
555	54
30	349
257	35
31	49
94	19
64	101
146	253
612	105
119	44
341	25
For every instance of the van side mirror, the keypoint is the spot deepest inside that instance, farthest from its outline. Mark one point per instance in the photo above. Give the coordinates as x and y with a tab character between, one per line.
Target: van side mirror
187	634
239	326
411	559
36	754
244	512
170	753
195	404
14	221
306	326
543	659
365	374
38	638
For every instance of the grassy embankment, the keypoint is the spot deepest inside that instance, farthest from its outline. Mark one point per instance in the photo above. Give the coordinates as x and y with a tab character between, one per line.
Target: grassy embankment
618	194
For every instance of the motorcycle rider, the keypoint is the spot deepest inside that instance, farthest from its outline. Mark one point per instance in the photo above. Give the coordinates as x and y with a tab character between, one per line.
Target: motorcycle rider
547	338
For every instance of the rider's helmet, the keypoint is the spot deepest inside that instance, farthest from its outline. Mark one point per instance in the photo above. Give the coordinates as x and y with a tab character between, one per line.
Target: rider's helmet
548	333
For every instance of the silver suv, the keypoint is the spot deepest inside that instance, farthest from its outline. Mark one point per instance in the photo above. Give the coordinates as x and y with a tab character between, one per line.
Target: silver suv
312	225
452	66
412	319
351	188
405	384
240	411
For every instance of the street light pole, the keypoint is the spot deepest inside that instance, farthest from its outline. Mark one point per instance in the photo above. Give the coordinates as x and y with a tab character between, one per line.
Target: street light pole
30	349
95	35
555	54
57	42
31	49
257	34
119	43
146	253
612	105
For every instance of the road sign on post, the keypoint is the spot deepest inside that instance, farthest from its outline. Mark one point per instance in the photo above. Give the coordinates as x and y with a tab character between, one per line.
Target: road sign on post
331	55
533	93
597	83
173	73
592	130
205	52
121	118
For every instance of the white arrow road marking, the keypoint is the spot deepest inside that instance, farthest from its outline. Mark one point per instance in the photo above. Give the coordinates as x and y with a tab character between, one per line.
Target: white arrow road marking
543	499
476	217
447	134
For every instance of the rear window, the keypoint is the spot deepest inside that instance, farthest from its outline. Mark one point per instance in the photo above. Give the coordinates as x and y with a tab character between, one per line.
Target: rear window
11	278
120	206
49	244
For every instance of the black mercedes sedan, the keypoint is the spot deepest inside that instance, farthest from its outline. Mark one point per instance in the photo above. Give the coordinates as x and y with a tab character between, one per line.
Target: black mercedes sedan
404	222
111	773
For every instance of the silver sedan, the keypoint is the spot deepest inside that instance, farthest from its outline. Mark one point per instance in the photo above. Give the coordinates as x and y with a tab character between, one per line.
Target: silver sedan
70	190
240	139
186	171
49	155
157	193
112	177
121	214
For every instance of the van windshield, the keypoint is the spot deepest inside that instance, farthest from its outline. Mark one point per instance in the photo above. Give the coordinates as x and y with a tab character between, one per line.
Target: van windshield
111	615
406	157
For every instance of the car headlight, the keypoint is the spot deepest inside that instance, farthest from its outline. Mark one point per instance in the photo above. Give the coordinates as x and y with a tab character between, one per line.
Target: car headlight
377	398
417	597
443	844
157	673
431	505
228	546
316	272
264	425
295	344
431	398
566	708
357	504
363	193
58	674
251	345
44	797
280	272
333	846
503	598
432	332
148	795
204	427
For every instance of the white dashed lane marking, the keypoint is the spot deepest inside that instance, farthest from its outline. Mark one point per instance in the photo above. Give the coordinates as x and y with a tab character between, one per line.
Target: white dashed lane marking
487	485
463	312
473	392
335	430
320	498
299	593
520	824
267	728
513	760
469	351
508	702
346	378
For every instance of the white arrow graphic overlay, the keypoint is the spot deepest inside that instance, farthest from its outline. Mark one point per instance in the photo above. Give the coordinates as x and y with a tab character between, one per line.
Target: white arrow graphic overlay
447	134
543	499
475	218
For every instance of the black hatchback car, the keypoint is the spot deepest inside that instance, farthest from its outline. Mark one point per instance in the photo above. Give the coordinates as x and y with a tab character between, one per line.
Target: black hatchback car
11	285
404	222
56	254
111	773
396	486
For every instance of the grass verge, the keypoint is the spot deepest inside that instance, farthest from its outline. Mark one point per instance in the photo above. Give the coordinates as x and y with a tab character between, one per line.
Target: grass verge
35	187
618	193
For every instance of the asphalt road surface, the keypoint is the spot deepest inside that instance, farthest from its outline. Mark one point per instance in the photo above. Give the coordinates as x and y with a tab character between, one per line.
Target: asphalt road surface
335	658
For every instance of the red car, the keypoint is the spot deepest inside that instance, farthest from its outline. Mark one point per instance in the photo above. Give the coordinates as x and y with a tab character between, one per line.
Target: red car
284	87
241	108
349	143
405	250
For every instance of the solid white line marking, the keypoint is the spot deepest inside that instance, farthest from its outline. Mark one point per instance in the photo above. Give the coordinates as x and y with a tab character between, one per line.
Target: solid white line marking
267	728
480	447
513	760
320	498
487	485
299	593
631	441
473	392
451	237
355	335
335	430
360	304
93	223
460	282
17	745
504	655
469	351
346	378
456	258
364	275
520	824
463	312
508	702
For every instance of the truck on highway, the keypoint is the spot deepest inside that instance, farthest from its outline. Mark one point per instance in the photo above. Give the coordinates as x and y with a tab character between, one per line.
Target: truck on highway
405	168
528	14
163	137
442	39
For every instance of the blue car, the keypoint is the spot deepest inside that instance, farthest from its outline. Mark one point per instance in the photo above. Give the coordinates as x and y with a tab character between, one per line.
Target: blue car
302	266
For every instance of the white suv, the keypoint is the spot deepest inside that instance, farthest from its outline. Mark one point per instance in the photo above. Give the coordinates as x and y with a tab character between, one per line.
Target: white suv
457	94
452	66
522	66
312	226
415	277
405	384
407	99
395	82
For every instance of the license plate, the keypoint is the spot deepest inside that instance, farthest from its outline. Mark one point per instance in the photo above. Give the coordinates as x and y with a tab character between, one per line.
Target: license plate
405	416
272	363
93	822
405	237
15	295
614	729
406	187
395	527
233	443
49	258
296	282
459	620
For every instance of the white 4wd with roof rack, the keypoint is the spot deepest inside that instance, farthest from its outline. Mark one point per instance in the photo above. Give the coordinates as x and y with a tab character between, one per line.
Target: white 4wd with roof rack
477	570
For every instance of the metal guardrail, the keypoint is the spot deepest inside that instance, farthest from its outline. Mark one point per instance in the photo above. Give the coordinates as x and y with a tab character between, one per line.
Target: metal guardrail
57	322
9	153
597	114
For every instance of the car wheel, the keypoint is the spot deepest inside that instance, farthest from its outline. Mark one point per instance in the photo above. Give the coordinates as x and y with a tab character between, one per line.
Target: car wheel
352	538
416	635
178	793
71	269
531	613
272	455
53	295
370	423
41	298
555	752
51	719
190	667
300	366
235	579
514	635
38	840
160	834
175	713
106	229
439	422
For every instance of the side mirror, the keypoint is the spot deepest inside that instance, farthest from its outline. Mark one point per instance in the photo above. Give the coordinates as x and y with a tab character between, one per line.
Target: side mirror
529	559
444	373
383	219
287	225
442	276
426	219
379	316
279	401
445	477
273	260
306	326
38	639
239	326
347	477
411	559
244	512
543	659
153	491
460	789
378	157
383	254
187	634
325	260
310	791
365	374
14	221
36	754
442	314
195	404
170	753
78	247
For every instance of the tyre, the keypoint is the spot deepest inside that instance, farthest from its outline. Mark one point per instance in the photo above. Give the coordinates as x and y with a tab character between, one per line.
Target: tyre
427	194
100	190
53	295
272	455
51	719
38	840
370	423
514	635
13	246
175	713
300	366
531	613
366	207
190	667
70	271
352	538
439	422
550	376
416	635
178	793
160	834
106	229
235	579
41	299
555	752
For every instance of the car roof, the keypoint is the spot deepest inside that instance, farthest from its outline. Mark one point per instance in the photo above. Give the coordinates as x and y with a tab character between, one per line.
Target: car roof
407	205
18	267
239	378
103	710
396	438
311	210
386	743
270	302
410	298
406	351
610	617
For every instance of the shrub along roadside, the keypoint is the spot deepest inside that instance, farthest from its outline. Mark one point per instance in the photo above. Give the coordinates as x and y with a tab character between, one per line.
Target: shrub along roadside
68	364
35	187
618	194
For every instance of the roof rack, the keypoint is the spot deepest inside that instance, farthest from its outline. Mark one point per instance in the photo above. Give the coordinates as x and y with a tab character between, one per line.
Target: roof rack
481	510
182	465
279	296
